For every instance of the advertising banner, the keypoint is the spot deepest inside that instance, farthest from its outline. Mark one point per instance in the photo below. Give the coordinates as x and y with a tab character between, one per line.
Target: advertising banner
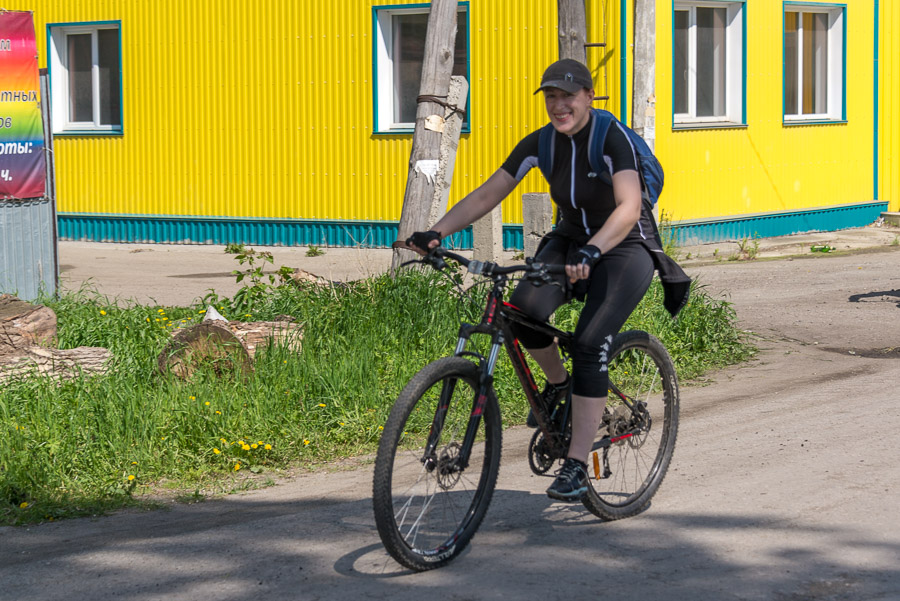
22	161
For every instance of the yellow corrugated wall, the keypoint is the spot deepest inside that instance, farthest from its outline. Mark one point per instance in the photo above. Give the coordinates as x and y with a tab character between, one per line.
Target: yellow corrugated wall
265	108
768	166
889	105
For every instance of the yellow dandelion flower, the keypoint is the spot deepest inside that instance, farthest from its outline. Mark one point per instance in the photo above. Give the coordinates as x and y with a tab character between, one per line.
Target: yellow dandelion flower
254	446
148	320
237	466
241	442
201	312
130	477
305	442
223	440
206	403
102	312
161	311
246	447
217	451
134	463
192	397
341	423
259	442
218	413
381	427
23	505
268	447
321	404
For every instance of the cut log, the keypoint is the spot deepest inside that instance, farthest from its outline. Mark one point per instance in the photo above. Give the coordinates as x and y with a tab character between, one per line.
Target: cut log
23	325
227	346
60	364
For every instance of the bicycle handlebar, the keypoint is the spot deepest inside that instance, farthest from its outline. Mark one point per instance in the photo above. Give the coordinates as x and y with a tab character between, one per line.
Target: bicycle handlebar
435	258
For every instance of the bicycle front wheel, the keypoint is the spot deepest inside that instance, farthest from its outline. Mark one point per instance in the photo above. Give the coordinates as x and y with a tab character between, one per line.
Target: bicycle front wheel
634	445
428	498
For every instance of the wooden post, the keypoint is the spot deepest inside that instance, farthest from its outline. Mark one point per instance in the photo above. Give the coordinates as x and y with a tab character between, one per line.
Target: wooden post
572	29
437	66
459	89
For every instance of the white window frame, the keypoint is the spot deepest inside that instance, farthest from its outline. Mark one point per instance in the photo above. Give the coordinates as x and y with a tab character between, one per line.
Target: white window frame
735	76
384	66
836	64
58	62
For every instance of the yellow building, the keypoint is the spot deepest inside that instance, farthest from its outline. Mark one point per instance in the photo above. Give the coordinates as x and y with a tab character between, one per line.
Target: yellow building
285	122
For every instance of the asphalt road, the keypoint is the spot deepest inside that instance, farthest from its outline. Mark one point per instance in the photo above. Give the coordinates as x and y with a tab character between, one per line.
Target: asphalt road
783	487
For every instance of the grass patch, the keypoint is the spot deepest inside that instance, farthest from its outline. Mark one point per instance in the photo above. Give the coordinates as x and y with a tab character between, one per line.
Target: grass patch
90	445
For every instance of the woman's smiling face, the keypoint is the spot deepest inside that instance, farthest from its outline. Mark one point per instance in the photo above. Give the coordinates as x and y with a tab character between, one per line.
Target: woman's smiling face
568	112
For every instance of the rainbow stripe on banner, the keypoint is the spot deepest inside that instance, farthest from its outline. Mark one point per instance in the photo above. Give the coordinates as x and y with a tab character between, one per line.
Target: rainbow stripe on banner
22	166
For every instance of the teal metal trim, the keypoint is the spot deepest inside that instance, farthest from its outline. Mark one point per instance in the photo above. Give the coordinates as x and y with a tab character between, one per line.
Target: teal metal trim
767	225
467	124
623	61
118	131
744	62
182	229
844	66
875	95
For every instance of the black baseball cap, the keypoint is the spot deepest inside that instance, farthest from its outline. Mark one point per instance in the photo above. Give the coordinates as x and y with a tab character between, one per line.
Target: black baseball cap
566	74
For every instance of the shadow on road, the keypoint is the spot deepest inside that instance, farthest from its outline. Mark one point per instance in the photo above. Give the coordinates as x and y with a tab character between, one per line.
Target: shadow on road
527	548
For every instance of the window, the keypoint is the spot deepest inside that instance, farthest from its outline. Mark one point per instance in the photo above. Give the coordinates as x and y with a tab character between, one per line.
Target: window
708	63
85	76
400	49
814	62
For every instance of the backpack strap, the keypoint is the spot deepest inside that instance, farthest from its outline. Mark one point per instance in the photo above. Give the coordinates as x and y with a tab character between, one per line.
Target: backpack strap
596	141
546	150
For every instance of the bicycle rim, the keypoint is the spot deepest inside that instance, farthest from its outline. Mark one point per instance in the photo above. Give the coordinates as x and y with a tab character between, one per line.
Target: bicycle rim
426	507
626	472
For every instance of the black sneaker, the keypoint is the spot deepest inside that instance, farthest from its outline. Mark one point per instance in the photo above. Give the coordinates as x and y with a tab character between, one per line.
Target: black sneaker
571	482
552	394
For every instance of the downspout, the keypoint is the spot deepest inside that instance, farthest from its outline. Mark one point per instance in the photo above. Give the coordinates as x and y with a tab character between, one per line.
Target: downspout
875	112
623	61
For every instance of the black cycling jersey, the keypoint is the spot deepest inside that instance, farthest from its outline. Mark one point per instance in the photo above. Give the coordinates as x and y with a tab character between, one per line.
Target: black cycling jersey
583	199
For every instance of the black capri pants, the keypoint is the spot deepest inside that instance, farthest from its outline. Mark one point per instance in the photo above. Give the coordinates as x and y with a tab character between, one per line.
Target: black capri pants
615	287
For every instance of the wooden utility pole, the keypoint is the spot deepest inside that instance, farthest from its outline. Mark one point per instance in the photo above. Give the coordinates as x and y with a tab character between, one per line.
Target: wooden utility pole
437	66
643	110
572	29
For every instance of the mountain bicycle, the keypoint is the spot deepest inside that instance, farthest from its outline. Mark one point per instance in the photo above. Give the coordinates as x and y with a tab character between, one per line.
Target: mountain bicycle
439	455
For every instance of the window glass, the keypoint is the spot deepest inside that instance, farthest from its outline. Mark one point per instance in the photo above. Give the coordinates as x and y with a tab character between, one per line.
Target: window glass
409	53
791	62
680	72
108	64
710	62
80	90
813	62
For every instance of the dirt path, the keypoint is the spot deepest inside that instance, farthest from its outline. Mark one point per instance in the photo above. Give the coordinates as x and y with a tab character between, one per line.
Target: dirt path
783	487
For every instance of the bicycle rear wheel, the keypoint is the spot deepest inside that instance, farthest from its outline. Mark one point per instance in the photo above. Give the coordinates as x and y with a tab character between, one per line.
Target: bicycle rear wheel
427	505
632	450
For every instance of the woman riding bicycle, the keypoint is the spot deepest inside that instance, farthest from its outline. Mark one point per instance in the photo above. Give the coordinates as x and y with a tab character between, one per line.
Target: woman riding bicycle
606	237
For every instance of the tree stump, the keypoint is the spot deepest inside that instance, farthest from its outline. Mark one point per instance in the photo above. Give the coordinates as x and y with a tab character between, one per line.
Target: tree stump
226	346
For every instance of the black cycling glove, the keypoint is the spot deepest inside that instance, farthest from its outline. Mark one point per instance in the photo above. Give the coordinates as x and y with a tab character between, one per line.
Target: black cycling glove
588	255
422	239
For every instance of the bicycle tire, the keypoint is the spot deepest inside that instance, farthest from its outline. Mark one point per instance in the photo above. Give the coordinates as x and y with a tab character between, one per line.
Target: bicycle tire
426	517
639	366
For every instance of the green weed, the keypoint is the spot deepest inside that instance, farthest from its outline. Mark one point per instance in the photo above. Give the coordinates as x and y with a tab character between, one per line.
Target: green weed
94	444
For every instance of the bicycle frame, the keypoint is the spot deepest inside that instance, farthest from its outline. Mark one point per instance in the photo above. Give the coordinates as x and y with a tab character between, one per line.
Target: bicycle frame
496	321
